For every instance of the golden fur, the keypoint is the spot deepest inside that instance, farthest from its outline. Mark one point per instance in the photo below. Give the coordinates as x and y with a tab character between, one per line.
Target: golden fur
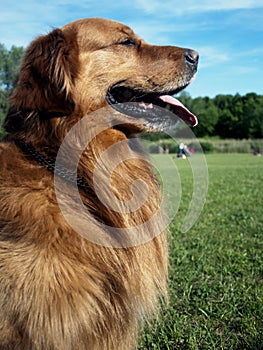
59	290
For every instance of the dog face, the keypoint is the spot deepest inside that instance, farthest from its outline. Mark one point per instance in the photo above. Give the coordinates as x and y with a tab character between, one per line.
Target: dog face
120	66
92	63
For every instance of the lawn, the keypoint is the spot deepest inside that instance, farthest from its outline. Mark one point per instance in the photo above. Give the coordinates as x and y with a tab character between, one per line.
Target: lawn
216	272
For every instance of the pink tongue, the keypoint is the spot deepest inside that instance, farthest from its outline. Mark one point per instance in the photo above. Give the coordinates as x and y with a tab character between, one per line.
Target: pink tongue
180	109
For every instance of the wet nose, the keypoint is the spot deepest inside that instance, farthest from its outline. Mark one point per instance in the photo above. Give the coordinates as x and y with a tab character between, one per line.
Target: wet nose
191	57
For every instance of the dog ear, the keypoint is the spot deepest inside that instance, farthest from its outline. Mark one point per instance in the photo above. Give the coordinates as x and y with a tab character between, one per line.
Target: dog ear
47	74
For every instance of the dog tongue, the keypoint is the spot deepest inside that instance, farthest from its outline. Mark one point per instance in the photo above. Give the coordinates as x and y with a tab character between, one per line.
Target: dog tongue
180	110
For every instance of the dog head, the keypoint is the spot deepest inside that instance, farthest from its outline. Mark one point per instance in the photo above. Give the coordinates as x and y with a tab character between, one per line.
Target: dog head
92	63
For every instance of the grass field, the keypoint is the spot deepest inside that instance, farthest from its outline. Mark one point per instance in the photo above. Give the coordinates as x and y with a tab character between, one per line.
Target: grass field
216	272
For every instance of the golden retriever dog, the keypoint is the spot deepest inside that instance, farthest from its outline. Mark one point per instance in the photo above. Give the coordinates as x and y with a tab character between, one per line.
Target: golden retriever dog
60	290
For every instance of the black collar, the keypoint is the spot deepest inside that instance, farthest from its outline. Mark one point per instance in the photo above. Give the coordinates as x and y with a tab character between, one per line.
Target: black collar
50	164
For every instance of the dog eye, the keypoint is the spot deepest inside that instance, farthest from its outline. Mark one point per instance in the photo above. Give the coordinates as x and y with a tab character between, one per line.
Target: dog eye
128	42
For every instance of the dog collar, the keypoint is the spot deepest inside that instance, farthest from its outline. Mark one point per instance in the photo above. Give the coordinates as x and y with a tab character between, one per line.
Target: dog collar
50	164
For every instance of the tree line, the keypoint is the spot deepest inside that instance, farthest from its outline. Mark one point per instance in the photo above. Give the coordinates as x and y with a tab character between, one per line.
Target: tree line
9	63
227	116
224	116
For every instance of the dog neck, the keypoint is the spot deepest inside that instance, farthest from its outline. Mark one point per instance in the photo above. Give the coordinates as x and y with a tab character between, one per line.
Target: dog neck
50	164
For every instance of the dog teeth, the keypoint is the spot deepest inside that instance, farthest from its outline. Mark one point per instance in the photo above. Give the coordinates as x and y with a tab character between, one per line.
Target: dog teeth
146	105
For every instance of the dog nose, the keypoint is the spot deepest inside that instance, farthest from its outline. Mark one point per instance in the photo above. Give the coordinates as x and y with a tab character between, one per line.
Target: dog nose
191	57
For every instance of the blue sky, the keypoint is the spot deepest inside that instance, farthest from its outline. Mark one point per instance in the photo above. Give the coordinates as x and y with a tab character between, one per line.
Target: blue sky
227	33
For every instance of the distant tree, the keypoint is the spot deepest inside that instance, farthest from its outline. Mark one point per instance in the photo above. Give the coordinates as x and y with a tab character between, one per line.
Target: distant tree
227	116
9	63
253	115
186	99
207	114
226	119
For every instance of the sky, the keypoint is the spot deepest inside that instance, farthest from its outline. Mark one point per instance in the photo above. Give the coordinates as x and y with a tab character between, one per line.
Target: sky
228	34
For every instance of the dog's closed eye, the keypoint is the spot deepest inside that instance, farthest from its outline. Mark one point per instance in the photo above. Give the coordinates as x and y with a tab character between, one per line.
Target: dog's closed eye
128	42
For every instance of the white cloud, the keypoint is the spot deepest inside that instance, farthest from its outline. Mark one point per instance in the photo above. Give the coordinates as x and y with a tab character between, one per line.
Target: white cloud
211	56
245	70
23	21
160	32
168	7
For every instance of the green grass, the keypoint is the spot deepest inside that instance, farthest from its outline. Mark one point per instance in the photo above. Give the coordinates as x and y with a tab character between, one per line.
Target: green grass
216	272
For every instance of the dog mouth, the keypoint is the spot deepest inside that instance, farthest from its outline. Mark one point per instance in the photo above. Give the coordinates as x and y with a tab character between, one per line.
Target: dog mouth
157	111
